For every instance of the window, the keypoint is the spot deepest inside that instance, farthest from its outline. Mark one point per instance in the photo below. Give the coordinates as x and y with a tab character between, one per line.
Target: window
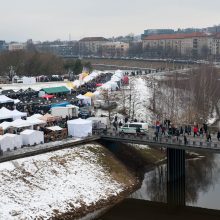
135	126
125	126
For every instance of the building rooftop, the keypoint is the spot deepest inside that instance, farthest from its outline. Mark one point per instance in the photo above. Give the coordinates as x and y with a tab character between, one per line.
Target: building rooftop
93	39
175	36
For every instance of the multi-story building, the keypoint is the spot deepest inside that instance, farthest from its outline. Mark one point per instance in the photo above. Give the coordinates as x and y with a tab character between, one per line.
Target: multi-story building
114	49
16	46
3	46
91	45
189	44
215	45
59	48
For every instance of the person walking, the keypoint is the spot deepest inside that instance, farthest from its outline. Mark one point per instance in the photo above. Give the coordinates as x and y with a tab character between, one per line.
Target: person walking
185	139
195	131
218	135
115	125
209	137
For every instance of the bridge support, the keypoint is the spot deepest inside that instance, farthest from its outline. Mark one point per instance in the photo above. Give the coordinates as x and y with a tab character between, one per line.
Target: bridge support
175	177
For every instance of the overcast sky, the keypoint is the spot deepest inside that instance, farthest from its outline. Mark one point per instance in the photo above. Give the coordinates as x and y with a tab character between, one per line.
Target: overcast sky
56	19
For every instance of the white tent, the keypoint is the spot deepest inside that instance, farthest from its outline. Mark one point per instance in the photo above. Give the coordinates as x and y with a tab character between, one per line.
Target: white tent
17	115
19	123
10	141
5	125
55	128
5	99
85	99
35	116
35	121
79	127
32	137
16	101
5	113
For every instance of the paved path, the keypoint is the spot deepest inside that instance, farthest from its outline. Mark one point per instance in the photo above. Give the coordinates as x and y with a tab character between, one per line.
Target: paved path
44	148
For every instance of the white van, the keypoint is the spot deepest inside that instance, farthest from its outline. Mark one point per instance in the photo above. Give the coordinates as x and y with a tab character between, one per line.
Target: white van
130	128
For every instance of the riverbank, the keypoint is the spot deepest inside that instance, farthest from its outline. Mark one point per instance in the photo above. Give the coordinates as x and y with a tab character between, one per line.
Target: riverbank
68	183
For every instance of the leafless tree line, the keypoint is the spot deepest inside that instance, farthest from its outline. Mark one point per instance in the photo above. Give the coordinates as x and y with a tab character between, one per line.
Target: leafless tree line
187	98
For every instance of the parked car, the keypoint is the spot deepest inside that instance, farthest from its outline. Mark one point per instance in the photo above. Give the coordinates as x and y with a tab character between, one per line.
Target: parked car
130	128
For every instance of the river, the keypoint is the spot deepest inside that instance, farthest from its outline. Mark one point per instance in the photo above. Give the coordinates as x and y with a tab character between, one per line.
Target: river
202	183
202	186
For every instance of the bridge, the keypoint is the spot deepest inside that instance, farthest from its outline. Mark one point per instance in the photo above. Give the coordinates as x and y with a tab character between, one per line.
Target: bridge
176	148
175	154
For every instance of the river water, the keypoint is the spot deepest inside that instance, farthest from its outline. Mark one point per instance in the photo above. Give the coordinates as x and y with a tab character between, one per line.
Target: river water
202	183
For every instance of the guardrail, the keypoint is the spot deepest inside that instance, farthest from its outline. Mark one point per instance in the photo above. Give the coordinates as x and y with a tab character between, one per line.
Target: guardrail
163	141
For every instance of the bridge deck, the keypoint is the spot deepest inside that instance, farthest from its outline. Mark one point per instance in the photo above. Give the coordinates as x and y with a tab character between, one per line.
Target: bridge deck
194	144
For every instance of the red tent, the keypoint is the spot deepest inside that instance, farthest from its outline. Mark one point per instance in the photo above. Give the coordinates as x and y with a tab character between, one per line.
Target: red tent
47	96
99	84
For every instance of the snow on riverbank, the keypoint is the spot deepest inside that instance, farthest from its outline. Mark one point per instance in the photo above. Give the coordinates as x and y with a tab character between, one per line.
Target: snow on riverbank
41	186
143	94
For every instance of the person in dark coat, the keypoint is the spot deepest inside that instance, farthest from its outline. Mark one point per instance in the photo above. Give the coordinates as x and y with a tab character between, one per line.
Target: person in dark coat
218	135
115	125
185	140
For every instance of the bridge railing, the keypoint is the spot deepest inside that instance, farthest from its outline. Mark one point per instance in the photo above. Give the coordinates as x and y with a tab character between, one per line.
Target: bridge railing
172	140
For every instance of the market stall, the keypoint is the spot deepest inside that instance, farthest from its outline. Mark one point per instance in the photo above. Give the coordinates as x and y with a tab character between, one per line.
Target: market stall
10	142
32	137
79	127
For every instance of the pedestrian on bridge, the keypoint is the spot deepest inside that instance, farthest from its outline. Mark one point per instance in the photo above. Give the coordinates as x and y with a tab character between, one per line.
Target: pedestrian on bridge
209	137
195	131
218	135
185	139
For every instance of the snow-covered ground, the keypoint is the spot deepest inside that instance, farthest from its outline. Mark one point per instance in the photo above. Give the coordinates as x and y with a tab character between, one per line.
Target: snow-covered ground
142	94
41	186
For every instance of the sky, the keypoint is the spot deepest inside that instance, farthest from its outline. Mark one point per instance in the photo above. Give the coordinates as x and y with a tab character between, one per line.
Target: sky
43	20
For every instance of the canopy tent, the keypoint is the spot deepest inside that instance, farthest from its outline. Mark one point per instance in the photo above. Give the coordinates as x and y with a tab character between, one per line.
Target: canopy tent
79	127
89	94
10	141
55	128
19	123
35	116
99	84
56	90
70	85
5	113
49	118
85	99
32	137
16	101
76	83
5	125
62	104
16	114
47	96
5	99
111	86
35	121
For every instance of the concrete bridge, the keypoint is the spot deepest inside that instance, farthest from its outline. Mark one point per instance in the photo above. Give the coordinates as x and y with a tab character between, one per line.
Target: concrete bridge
175	157
175	154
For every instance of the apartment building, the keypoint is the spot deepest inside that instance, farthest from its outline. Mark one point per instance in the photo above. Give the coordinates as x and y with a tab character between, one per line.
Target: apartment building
91	45
182	43
16	46
114	49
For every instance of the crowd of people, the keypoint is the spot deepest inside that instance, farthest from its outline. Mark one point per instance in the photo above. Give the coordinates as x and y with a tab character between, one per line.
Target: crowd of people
195	130
32	104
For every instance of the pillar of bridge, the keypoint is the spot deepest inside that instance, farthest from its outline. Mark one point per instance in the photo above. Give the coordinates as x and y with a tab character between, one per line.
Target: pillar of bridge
176	177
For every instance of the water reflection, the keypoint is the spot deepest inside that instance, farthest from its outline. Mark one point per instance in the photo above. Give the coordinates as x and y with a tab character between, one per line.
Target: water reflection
202	183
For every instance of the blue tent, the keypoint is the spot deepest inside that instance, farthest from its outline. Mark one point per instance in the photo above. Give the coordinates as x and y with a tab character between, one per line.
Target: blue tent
62	104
